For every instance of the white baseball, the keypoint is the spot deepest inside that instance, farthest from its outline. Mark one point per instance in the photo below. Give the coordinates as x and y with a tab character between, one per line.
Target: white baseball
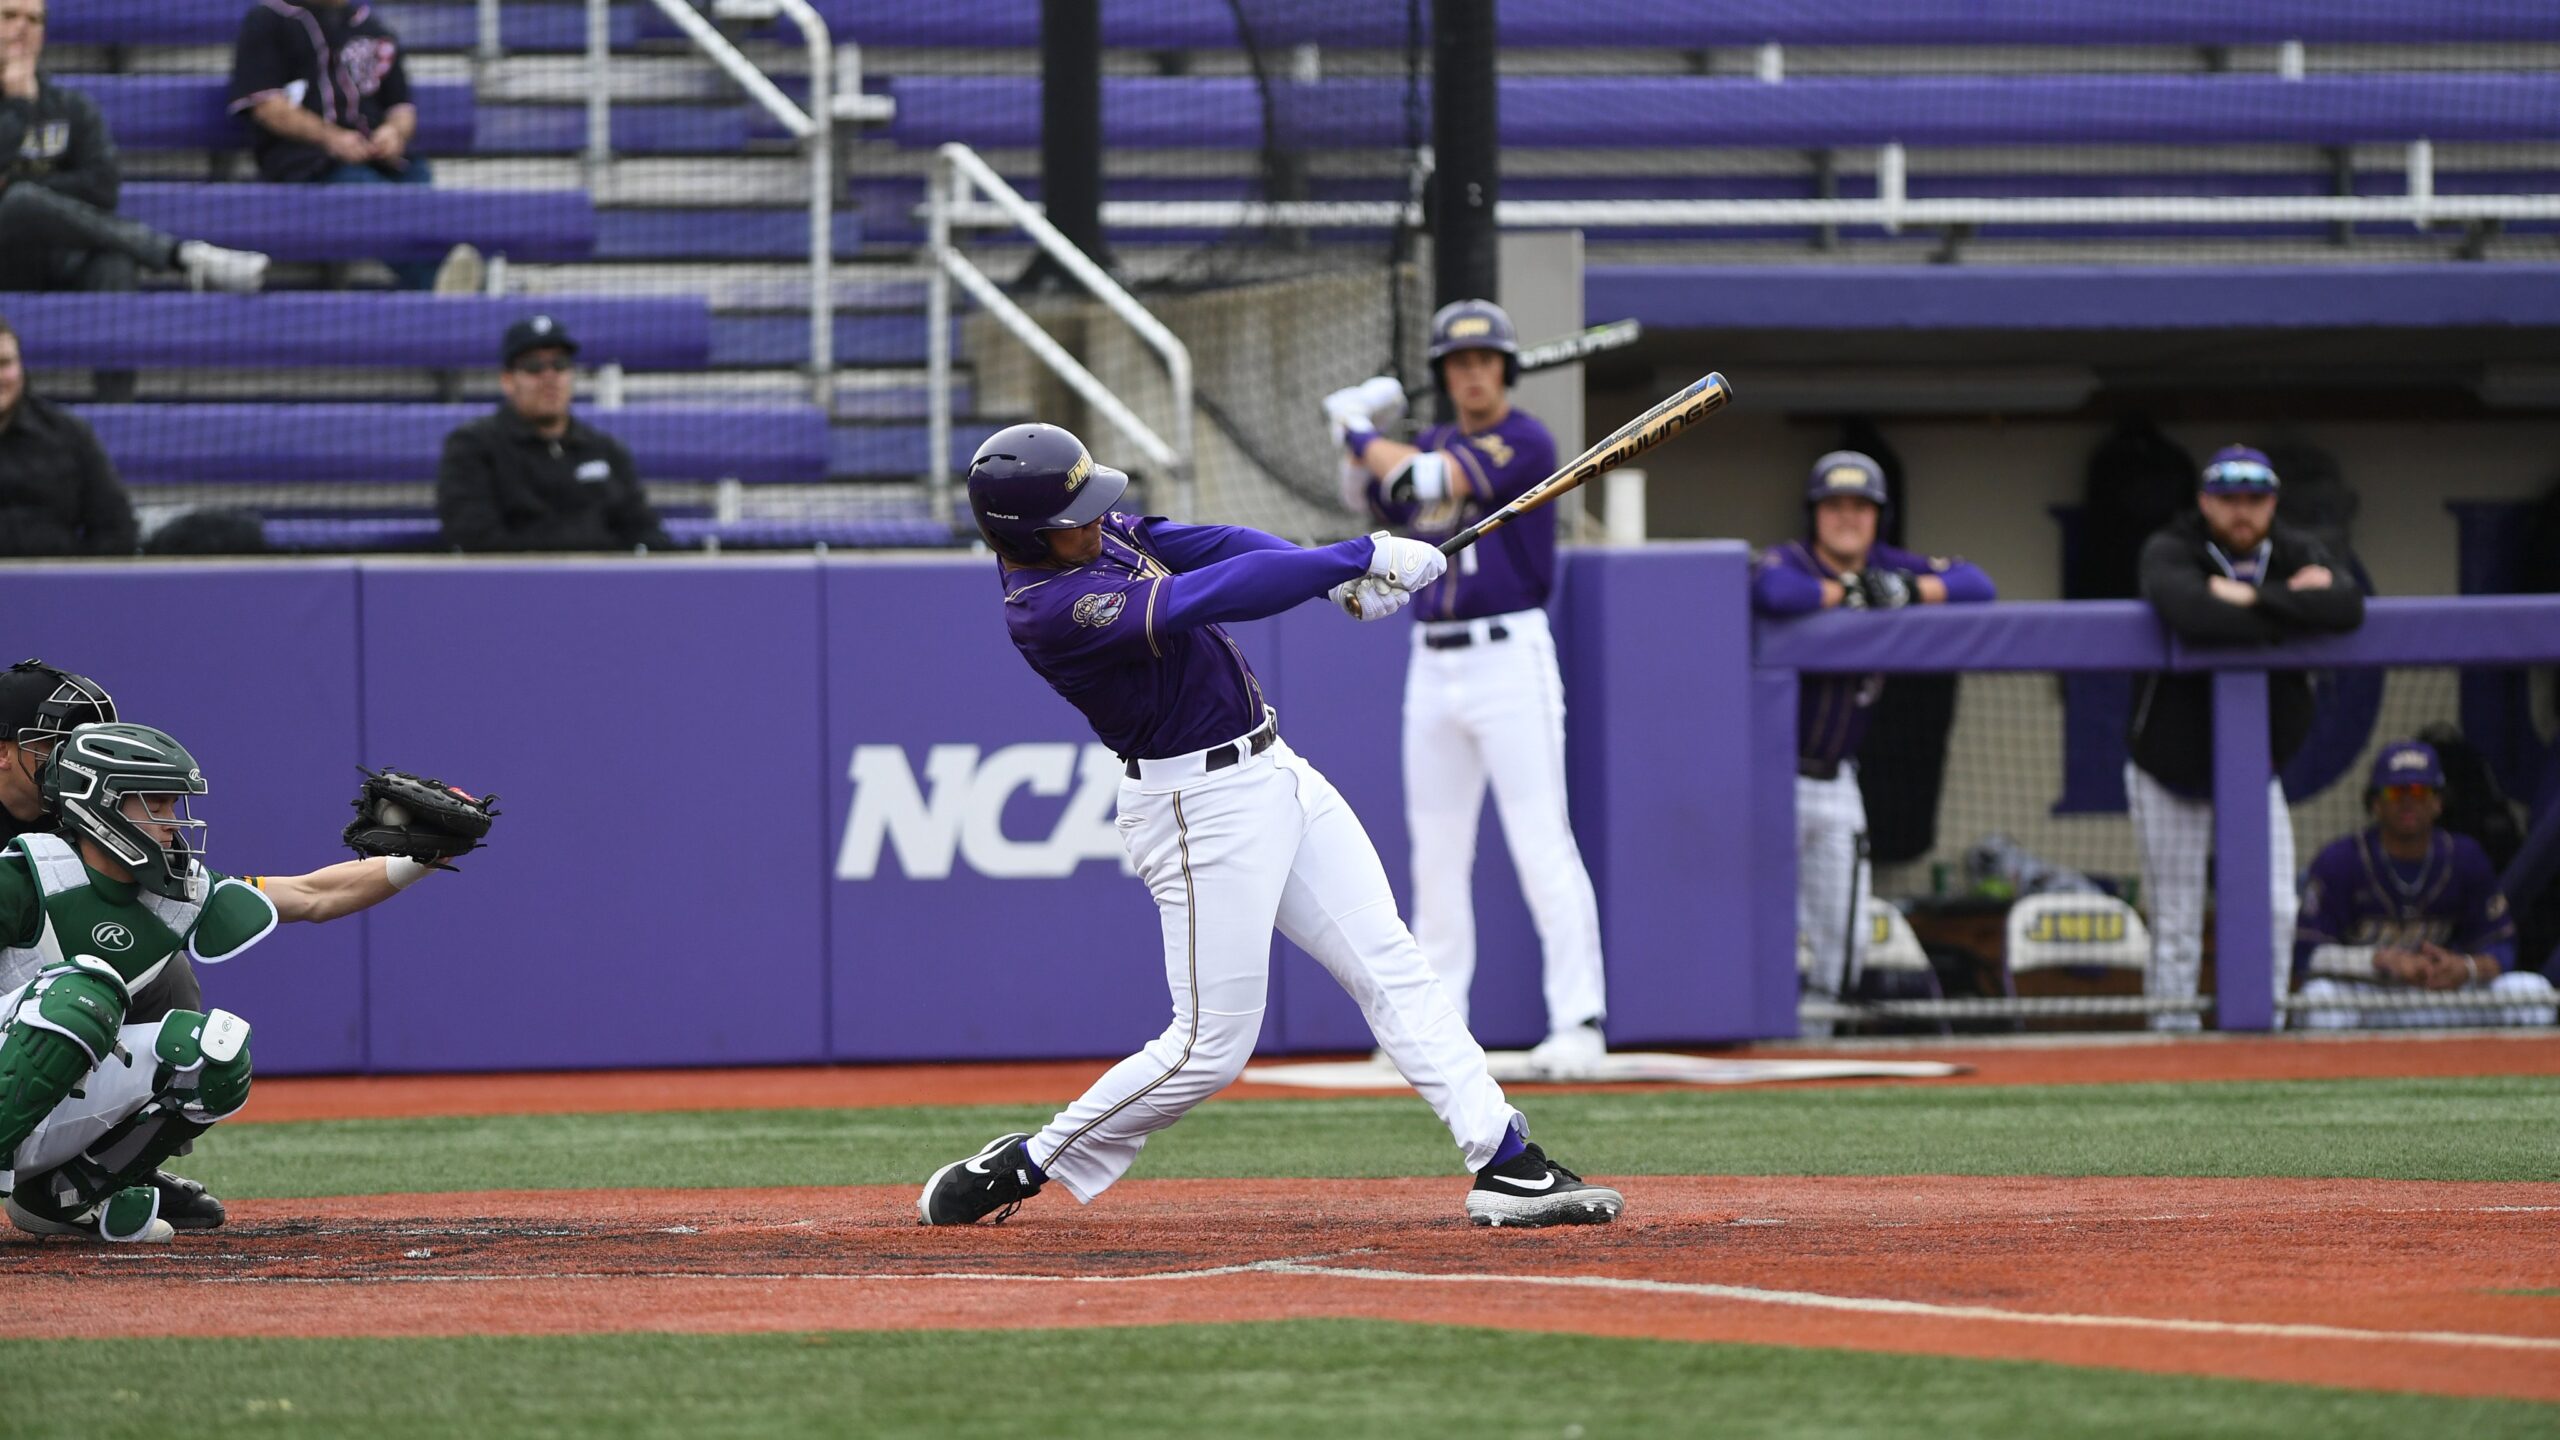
393	813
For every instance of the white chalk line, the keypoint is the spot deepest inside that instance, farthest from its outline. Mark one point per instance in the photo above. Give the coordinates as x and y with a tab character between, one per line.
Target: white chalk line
1309	1266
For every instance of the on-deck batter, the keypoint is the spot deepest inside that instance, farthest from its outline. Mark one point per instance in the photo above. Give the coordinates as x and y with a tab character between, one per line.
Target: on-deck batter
1229	829
1483	699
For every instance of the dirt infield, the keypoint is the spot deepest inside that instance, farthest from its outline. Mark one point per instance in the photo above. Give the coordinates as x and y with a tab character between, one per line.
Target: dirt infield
1056	1082
2372	1284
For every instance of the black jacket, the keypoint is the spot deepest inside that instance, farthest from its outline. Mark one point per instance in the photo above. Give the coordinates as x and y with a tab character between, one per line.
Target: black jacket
59	495
504	487
352	68
2171	736
59	140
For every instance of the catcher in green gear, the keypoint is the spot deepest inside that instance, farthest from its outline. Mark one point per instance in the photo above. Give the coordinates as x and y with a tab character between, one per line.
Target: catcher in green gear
90	1105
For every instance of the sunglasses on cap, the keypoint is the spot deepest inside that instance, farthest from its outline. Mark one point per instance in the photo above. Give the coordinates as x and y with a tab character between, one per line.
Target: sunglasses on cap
2410	791
540	365
2240	475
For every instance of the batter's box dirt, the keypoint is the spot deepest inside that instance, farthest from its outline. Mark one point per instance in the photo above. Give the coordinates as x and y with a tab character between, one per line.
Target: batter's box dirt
2394	1285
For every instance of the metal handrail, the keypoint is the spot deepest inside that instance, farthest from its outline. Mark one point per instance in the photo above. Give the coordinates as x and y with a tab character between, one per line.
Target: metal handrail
814	128
957	171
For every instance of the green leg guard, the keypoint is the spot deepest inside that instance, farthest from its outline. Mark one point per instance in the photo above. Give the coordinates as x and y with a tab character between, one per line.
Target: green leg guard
65	1025
203	1077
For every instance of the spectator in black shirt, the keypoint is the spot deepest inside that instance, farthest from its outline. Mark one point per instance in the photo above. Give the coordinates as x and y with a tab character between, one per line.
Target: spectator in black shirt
532	476
326	93
58	493
58	184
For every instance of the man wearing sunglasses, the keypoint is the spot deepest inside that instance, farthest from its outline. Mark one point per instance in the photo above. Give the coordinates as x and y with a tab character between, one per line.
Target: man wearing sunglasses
2406	907
2225	573
532	476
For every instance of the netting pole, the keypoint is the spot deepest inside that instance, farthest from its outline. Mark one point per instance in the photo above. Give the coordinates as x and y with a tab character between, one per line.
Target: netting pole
1070	133
1466	182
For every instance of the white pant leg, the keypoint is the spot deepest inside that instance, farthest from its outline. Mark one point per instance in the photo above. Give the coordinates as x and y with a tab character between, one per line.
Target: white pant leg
2284	896
1214	855
2536	1002
2535	1005
1444	783
1831	815
1514	703
2175	834
103	1100
1337	907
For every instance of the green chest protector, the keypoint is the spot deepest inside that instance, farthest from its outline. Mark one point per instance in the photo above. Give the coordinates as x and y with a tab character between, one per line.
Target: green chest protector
133	937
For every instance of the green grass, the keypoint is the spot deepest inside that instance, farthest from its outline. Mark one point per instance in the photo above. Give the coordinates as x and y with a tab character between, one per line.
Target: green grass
1335	1379
2495	1128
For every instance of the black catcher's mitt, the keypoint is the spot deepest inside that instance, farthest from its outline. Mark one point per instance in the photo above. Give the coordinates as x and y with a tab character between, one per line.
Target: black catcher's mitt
425	820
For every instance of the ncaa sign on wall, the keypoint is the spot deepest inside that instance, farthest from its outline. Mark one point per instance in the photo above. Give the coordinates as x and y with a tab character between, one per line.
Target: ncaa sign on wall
953	812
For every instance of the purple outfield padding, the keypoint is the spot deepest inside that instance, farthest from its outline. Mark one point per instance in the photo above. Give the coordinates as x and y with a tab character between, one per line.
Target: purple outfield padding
2076	297
370	222
193	112
251	668
651	895
130	331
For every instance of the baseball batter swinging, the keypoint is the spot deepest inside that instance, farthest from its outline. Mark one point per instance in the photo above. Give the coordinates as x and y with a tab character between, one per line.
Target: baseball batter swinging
1229	829
1483	699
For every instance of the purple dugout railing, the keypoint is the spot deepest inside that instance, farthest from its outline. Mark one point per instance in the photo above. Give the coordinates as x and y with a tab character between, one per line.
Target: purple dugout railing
792	809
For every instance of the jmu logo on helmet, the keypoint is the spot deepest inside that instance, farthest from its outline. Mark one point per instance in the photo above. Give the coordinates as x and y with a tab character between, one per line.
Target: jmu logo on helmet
1845	477
109	935
1469	325
1080	472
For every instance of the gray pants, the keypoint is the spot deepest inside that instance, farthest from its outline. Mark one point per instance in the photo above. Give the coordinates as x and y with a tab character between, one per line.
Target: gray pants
50	241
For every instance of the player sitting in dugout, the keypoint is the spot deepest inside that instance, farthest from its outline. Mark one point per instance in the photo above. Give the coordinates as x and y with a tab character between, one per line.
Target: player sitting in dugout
1842	565
2406	907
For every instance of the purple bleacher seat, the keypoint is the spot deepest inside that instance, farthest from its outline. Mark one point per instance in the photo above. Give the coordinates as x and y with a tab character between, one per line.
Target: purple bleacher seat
354	530
874	452
865	533
634	130
178	444
724	234
765	340
382	222
2075	297
346	329
192	112
522	26
1691	24
1624	112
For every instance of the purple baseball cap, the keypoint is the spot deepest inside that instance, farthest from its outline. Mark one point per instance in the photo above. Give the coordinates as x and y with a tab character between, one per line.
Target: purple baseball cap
2239	470
2407	762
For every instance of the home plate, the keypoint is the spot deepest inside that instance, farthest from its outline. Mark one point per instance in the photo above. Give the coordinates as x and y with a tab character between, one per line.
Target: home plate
1512	1067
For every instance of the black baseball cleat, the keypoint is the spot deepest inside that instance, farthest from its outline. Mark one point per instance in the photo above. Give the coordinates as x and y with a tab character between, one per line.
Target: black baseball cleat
1530	1190
185	1204
995	1180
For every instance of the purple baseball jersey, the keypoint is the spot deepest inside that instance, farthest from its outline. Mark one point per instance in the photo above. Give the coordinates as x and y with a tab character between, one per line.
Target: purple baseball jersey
1514	567
1134	638
1831	710
2358	895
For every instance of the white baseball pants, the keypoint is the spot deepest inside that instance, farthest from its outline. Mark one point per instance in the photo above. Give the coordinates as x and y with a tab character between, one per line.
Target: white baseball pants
102	1100
2536	1004
2176	835
1228	854
1831	883
1494	710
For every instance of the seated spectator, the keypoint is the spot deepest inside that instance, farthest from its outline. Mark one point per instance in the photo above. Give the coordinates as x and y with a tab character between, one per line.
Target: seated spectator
326	93
1841	565
534	477
2407	907
58	184
58	493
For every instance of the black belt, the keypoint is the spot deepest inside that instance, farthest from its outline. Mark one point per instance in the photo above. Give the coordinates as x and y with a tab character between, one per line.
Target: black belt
1461	639
1225	756
1817	769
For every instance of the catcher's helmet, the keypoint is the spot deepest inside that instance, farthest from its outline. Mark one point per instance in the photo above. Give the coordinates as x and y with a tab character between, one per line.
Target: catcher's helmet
1031	478
42	702
86	780
1474	325
1846	472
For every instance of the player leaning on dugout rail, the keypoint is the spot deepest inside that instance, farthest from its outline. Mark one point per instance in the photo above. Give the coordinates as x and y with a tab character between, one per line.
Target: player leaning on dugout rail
1841	565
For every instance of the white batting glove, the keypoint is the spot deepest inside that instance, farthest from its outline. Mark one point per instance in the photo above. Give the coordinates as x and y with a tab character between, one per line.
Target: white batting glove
1408	565
1347	414
1369	598
1382	399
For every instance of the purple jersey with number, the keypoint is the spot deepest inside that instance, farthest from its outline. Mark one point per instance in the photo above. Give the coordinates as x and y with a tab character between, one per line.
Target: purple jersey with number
2358	895
1133	639
1511	569
1831	710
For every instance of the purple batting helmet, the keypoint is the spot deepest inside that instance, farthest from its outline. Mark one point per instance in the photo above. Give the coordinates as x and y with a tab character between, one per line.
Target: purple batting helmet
1474	325
1031	478
2406	762
1846	472
2239	470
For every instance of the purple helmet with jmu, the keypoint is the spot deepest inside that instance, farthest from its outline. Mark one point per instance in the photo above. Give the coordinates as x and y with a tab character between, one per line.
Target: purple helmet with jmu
1032	478
1474	325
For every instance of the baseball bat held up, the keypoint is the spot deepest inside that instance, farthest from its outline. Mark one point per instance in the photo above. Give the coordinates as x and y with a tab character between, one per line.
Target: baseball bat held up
1698	400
